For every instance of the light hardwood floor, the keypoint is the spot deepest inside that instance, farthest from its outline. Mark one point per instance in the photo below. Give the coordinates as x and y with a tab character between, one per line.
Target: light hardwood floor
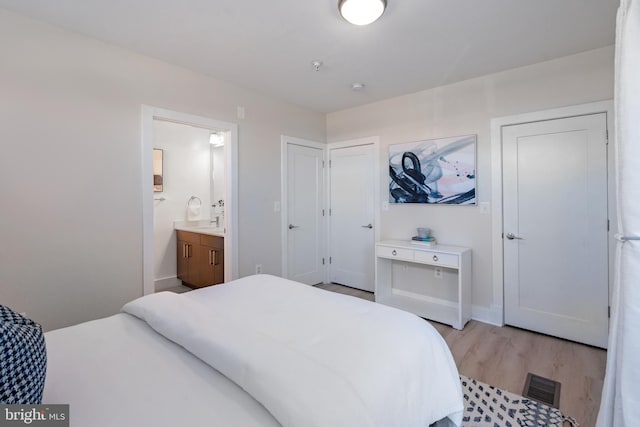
503	356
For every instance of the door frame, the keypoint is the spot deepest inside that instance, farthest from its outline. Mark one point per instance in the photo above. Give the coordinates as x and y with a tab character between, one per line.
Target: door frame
284	216
375	142
497	124
150	113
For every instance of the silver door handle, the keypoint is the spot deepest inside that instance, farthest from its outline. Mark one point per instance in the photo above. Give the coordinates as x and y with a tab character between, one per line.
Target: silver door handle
512	236
367	226
291	226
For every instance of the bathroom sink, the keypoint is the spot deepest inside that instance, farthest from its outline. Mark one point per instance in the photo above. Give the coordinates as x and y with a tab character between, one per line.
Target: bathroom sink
209	229
204	228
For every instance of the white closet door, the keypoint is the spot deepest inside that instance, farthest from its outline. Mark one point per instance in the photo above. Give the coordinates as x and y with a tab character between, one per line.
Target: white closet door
305	193
352	233
555	227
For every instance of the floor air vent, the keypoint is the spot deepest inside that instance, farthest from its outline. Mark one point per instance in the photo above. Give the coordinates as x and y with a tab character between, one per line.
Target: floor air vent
542	390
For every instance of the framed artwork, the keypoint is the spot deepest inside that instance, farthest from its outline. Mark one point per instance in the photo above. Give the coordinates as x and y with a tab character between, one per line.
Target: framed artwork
158	185
436	171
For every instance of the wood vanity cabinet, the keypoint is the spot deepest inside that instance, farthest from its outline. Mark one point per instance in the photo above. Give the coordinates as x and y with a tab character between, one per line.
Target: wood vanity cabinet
212	251
200	259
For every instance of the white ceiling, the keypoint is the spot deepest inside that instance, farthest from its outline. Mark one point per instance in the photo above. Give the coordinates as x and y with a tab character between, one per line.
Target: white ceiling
269	45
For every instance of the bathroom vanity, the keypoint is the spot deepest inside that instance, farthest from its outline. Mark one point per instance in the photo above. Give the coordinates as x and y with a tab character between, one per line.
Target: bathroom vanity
200	256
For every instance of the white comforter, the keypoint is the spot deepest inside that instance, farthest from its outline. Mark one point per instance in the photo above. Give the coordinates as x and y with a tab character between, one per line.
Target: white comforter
311	357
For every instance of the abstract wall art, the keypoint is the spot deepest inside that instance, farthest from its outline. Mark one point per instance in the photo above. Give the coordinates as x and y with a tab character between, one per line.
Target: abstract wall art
435	171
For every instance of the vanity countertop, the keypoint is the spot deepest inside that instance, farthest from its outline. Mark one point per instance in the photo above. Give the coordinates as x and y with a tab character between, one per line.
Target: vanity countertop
202	227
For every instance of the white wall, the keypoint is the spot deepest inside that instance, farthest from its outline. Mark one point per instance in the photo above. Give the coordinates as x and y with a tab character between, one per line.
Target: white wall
186	173
467	108
70	168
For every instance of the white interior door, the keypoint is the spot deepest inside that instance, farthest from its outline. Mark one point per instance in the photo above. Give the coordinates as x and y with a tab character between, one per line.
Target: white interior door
351	202
555	227
305	193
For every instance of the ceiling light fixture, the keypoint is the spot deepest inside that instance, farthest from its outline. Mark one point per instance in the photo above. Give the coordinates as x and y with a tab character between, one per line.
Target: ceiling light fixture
361	12
357	87
216	139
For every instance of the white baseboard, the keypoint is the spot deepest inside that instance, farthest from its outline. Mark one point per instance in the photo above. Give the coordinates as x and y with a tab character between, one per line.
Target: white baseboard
491	315
167	283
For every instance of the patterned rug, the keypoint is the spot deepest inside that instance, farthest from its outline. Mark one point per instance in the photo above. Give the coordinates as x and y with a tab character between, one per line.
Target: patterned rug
489	406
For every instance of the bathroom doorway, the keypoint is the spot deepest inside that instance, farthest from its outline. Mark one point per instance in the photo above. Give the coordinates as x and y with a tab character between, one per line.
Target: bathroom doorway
208	148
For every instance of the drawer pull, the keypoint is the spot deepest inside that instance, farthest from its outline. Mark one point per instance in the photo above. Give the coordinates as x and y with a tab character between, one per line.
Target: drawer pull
394	252
435	258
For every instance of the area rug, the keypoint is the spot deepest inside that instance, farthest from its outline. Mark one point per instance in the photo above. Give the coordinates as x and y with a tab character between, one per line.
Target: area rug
489	406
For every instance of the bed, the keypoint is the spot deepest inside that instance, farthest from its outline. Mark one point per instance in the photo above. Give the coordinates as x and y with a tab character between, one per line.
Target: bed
260	351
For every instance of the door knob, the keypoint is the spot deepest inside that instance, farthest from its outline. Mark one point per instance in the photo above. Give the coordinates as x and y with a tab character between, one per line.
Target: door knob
367	226
512	236
291	226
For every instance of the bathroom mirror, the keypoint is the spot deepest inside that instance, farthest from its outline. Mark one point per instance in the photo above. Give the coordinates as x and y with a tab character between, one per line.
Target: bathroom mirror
157	170
217	183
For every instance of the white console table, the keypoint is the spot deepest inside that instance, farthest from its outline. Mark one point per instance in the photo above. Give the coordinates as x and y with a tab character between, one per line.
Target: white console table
454	313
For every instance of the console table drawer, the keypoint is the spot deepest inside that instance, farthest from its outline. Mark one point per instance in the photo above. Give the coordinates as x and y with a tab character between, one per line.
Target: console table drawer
395	253
437	258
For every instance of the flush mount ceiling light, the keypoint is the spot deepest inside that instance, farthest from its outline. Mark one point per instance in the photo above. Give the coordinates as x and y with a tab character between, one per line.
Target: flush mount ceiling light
216	139
361	12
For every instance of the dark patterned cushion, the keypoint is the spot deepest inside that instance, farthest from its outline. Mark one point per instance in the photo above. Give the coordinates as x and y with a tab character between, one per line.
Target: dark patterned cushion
23	359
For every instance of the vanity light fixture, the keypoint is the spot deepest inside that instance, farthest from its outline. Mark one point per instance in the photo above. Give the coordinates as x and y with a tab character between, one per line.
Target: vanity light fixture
216	139
361	12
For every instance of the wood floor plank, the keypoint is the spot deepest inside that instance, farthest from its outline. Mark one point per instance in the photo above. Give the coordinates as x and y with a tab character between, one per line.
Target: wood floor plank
502	356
